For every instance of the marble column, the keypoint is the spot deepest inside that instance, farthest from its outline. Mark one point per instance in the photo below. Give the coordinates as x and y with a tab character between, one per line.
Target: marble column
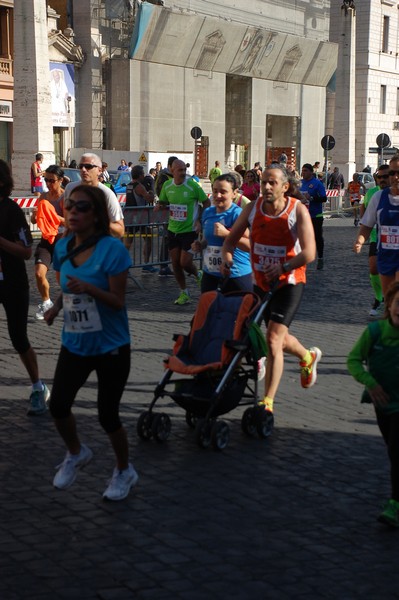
344	133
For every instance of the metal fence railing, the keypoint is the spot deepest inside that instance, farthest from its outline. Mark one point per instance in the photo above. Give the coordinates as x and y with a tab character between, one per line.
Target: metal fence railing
145	232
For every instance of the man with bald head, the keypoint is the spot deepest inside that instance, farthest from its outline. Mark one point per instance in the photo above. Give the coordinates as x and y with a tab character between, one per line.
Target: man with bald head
185	199
90	166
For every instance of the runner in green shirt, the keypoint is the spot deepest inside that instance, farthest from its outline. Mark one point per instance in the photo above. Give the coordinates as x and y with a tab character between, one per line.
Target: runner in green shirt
215	172
185	199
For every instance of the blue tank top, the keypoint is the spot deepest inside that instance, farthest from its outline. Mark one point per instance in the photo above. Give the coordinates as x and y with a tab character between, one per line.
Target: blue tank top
388	235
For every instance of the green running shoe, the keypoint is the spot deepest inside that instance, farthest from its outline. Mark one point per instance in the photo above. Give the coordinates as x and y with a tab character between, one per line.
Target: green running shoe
183	299
390	514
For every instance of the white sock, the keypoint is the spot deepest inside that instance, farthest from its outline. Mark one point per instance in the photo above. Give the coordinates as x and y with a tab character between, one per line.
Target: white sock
38	386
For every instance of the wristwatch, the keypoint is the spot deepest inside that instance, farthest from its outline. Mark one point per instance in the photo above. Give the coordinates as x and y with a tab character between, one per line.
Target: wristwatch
286	267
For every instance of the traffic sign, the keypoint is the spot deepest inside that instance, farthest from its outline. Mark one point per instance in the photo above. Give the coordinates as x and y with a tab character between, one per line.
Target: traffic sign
327	142
383	140
384	151
196	133
390	151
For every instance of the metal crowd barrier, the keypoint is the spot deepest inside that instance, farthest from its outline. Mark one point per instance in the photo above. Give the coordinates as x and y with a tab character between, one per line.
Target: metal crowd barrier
336	203
145	230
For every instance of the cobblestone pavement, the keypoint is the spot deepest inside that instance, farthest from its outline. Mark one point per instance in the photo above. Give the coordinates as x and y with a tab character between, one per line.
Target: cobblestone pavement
290	517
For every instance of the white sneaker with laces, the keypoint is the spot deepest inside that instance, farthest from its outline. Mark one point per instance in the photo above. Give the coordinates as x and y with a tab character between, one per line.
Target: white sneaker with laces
42	309
120	484
38	401
70	466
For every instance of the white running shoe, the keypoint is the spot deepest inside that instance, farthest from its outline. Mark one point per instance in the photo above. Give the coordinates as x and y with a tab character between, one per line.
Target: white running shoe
38	401
120	484
42	309
70	466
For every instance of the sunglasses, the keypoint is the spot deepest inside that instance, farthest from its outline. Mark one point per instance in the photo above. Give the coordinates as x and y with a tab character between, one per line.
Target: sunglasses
49	180
393	173
82	206
88	166
382	176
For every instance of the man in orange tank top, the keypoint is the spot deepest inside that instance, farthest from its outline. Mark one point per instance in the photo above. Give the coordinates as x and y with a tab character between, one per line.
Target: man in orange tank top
282	244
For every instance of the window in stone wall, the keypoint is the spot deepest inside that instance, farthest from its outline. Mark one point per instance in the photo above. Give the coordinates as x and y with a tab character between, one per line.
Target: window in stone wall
385	34
383	99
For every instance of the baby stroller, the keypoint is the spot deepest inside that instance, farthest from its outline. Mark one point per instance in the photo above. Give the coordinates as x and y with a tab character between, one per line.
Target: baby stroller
219	362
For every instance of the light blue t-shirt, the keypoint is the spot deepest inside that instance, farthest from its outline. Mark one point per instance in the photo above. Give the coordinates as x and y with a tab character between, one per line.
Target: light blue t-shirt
212	256
91	327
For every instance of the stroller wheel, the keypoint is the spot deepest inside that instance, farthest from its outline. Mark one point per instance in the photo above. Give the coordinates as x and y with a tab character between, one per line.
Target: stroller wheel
191	419
220	435
161	427
264	423
203	433
144	429
248	422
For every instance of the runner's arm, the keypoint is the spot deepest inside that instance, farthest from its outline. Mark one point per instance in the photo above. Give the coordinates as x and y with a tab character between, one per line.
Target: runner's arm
18	249
117	229
306	239
364	234
237	231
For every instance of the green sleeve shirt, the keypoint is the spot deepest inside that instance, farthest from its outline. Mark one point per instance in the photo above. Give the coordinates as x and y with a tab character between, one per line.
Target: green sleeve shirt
184	201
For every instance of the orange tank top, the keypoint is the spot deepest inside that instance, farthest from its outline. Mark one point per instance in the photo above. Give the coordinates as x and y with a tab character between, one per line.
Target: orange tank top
274	239
354	191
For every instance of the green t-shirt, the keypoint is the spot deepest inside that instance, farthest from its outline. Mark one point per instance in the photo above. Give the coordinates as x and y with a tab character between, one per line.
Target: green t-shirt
375	359
213	173
367	198
183	200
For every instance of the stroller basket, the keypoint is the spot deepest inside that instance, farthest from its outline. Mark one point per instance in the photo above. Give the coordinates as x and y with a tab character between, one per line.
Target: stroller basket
196	395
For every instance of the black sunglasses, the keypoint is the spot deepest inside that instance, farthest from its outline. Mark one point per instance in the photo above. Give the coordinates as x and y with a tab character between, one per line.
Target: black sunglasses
88	166
382	176
49	180
82	206
392	173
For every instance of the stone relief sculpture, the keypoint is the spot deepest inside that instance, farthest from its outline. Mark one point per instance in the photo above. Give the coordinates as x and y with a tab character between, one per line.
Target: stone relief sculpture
211	48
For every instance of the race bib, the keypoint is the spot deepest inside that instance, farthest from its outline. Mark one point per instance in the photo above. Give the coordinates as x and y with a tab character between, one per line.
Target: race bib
178	212
389	237
268	255
212	259
80	314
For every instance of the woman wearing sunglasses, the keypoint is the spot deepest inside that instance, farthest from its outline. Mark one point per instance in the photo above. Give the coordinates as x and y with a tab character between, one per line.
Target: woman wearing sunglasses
92	269
250	188
49	218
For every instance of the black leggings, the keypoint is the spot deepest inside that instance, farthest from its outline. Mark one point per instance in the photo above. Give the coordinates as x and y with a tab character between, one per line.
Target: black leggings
389	427
318	234
16	306
71	373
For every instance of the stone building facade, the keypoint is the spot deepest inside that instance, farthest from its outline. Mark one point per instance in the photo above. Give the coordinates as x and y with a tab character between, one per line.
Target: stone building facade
370	66
251	76
6	77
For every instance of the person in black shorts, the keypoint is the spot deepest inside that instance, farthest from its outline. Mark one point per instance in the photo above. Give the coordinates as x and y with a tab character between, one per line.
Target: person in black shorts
15	249
282	244
48	215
